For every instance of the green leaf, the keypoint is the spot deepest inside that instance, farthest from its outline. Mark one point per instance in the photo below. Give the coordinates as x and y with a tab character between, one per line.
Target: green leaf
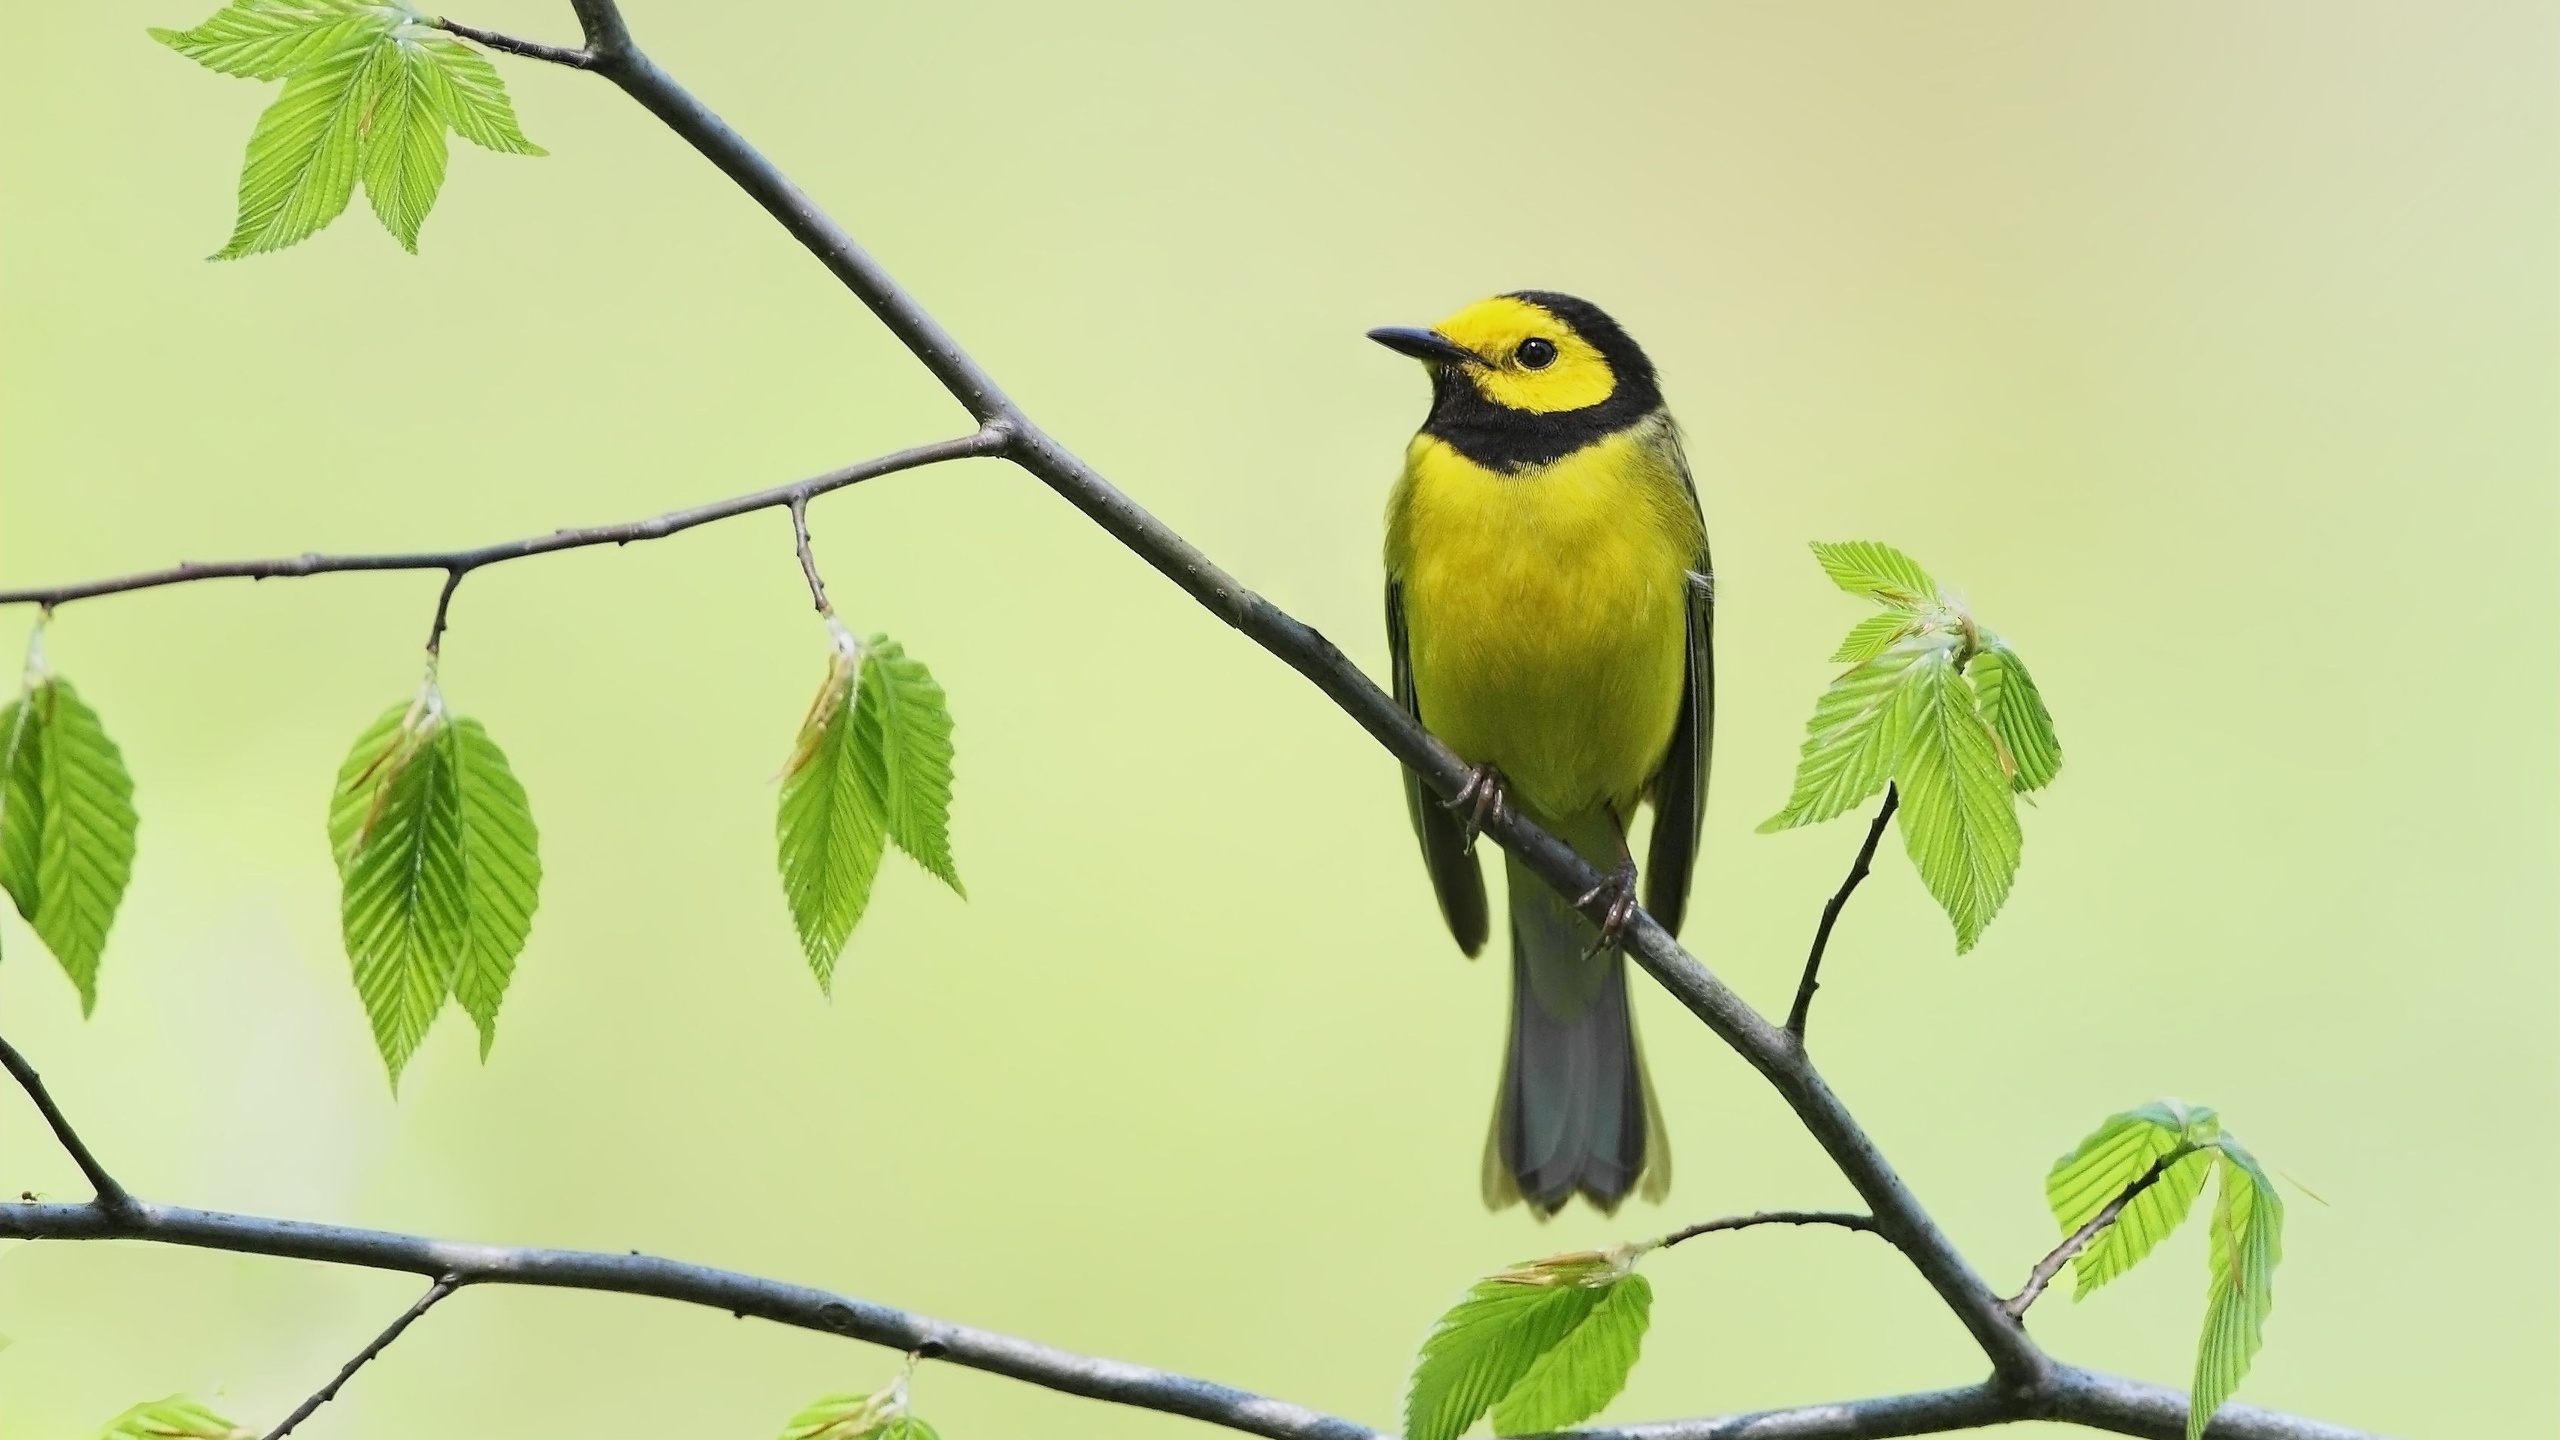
831	826
173	1418
1582	1374
1498	1349
471	97
2016	711
882	1415
502	876
439	869
2120	1152
270	39
1878	571
903	734
396	826
1873	636
302	161
66	826
1959	816
2247	1241
1859	727
404	151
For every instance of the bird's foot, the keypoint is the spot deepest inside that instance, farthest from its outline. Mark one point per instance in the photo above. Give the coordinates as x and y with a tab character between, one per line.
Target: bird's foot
1619	889
1480	799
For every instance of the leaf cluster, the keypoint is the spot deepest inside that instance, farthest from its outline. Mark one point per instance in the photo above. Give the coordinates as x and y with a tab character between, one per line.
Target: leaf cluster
174	1418
439	872
881	1415
1542	1347
67	824
872	765
370	91
1940	707
2187	1144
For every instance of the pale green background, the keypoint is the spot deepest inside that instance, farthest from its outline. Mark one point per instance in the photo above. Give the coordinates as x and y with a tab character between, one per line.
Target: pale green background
2209	347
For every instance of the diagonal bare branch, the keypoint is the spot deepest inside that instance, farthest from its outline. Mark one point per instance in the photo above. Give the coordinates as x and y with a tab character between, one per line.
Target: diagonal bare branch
2078	1240
445	1285
1801	1014
111	1196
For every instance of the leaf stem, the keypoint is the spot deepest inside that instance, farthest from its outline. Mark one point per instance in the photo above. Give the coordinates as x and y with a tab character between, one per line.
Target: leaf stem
2078	1240
529	49
808	561
445	1285
1845	1219
444	604
1802	1012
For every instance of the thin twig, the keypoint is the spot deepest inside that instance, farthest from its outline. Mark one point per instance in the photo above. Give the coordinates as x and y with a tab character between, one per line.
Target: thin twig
808	561
1802	1012
1845	1219
445	1285
111	1196
529	49
444	603
989	440
2051	1265
2081	1396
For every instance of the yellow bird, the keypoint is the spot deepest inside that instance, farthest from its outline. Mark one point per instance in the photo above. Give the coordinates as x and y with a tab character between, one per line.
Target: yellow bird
1550	610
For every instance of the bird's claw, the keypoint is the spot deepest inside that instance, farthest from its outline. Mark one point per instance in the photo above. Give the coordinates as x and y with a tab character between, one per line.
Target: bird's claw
1477	801
1619	887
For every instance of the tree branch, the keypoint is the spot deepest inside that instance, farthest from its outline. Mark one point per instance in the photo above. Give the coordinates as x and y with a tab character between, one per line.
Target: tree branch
986	441
2103	1401
1845	1219
112	1197
808	560
529	49
1802	1012
2051	1265
445	1285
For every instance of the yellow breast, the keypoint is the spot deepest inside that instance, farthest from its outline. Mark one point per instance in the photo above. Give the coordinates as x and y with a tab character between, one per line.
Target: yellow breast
1546	612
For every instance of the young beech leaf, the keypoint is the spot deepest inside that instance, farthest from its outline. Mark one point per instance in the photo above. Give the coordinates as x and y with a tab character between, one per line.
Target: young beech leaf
2246	1243
470	97
882	1415
1873	636
1959	817
831	825
270	39
439	869
1877	571
903	734
1858	729
404	152
174	1418
2017	715
1543	1346
2105	1165
66	826
302	161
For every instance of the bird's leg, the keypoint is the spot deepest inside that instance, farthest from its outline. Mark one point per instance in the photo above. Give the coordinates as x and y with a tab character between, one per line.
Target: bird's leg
1619	886
1482	797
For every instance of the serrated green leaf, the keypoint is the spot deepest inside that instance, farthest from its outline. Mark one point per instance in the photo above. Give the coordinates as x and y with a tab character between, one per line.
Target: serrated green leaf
84	854
303	157
2246	1243
404	150
2106	1164
1877	571
173	1418
1959	816
908	1427
472	98
904	740
1859	727
831	826
270	39
1585	1371
879	1416
502	863
1873	636
396	824
2016	711
1483	1350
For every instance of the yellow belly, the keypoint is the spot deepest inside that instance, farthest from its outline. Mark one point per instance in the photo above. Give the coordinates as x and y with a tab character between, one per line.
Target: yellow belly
1546	614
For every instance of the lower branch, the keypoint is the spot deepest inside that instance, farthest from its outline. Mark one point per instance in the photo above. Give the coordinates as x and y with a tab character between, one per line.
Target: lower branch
2080	1396
326	1393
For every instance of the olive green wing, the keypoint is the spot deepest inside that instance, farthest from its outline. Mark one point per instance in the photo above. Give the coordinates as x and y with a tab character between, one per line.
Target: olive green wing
1680	786
1455	876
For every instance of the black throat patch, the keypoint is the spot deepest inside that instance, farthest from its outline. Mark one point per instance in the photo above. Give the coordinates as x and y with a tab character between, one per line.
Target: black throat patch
1501	438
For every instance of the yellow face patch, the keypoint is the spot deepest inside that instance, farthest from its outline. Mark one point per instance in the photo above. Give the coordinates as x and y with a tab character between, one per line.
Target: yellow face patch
1497	329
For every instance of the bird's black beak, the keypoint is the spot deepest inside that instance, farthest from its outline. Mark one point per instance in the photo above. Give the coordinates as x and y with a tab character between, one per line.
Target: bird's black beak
1426	345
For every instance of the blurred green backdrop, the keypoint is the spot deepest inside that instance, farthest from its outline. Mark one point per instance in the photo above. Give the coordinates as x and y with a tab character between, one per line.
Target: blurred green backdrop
2208	346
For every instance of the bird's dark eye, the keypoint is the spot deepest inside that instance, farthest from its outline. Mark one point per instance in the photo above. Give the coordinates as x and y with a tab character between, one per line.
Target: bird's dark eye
1535	354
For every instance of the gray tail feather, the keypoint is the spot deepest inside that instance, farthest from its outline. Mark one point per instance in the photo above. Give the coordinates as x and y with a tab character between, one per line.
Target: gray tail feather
1576	1112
